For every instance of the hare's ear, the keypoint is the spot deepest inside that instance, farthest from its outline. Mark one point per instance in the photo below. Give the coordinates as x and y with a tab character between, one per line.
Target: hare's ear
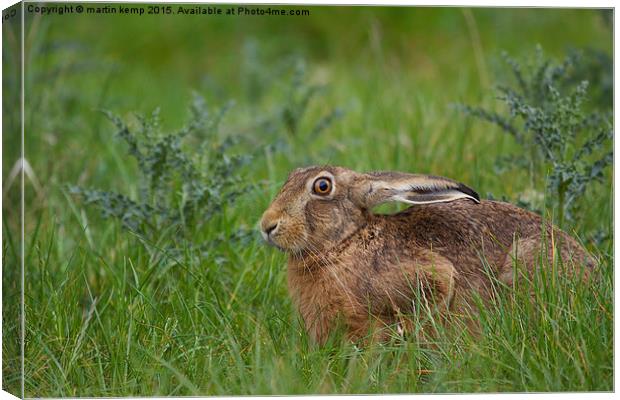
369	190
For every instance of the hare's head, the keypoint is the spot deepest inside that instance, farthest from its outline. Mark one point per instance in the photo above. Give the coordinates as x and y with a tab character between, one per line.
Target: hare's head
320	206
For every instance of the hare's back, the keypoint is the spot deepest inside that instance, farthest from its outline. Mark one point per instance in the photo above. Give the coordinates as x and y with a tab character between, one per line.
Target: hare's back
463	229
463	218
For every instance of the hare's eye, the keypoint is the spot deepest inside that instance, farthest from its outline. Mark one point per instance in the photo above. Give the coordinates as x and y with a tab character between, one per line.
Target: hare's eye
322	186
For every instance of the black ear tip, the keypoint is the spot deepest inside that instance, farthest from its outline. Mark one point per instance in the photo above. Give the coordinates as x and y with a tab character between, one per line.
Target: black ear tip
469	191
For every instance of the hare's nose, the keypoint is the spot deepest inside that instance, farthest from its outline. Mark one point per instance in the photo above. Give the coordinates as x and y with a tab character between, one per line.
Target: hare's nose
267	230
271	228
269	223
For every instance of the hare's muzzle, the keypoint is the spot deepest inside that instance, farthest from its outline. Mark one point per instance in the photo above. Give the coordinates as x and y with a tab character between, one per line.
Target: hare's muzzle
268	230
269	226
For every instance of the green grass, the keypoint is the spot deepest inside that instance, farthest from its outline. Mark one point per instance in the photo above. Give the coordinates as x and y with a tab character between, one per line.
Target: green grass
105	317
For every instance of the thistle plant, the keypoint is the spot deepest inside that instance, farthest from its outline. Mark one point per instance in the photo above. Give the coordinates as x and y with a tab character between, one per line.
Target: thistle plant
180	191
547	113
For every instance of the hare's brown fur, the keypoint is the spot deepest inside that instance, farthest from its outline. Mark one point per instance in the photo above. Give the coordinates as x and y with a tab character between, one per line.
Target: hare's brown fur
346	263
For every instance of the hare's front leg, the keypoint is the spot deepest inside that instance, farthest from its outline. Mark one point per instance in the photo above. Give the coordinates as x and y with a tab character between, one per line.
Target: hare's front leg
432	283
320	325
435	276
369	329
319	321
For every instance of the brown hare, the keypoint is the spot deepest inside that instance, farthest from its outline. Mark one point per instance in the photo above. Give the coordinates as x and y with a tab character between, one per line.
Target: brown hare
346	263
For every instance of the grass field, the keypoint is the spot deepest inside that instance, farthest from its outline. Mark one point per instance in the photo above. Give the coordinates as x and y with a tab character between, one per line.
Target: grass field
108	315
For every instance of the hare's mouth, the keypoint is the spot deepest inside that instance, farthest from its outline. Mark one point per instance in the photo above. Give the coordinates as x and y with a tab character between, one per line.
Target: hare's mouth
283	243
269	240
272	240
279	235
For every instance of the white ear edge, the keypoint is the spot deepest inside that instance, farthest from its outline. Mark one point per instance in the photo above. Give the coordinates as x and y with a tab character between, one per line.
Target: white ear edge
457	196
